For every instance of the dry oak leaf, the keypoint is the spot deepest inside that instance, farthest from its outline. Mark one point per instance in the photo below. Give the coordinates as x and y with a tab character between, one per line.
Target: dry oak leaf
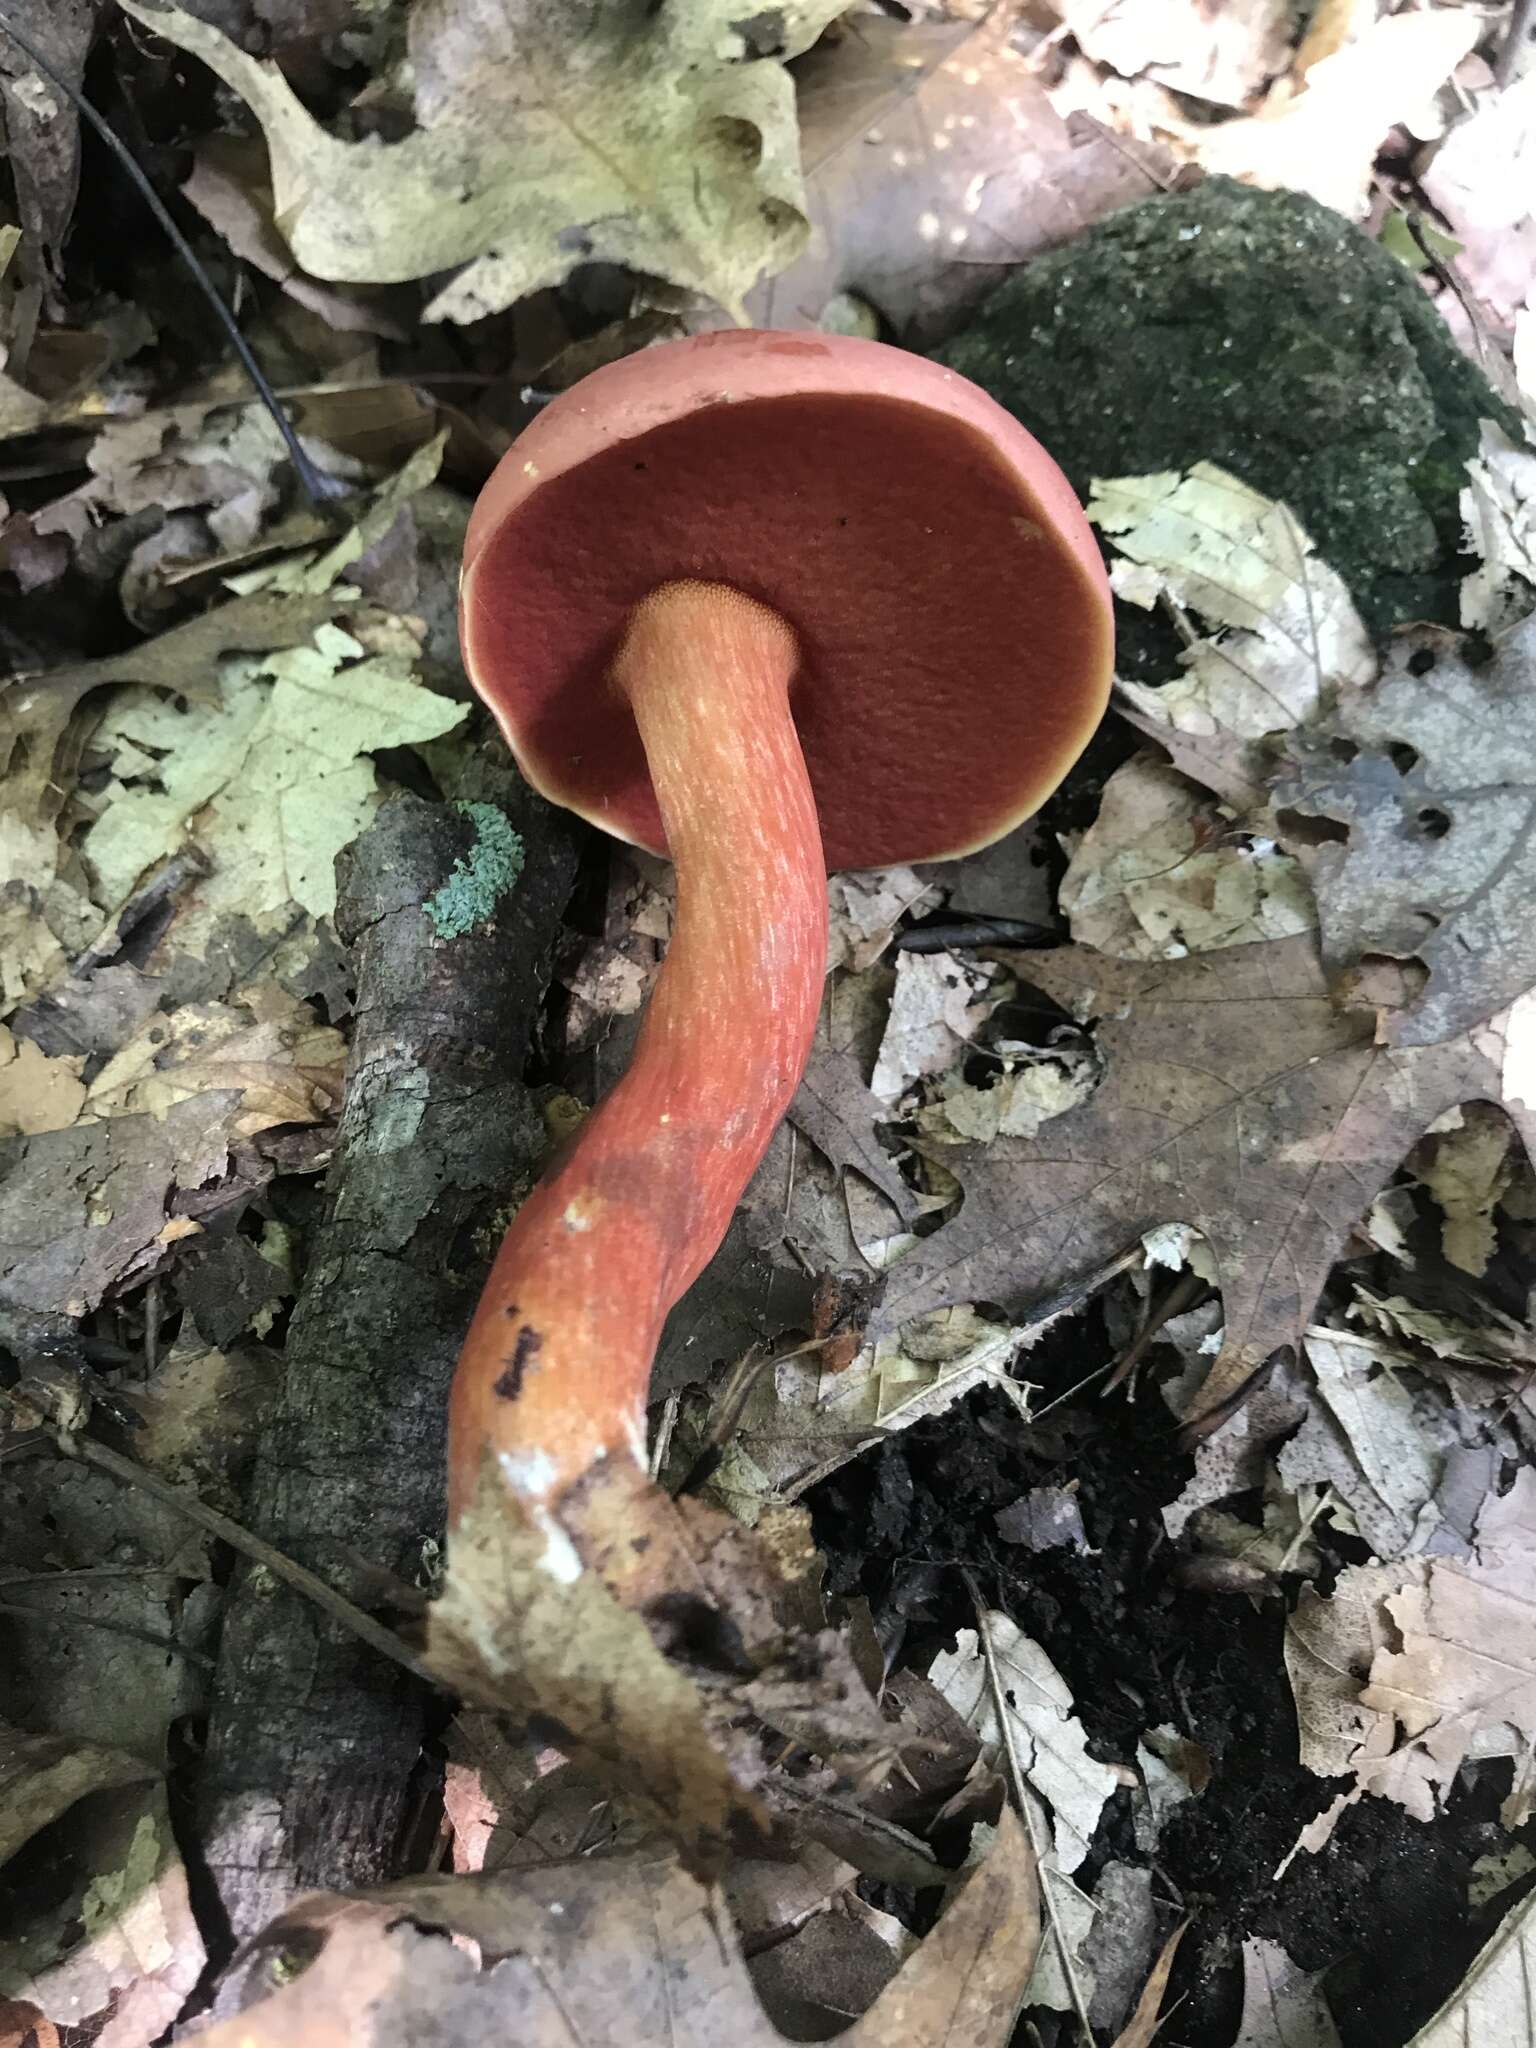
620	1949
933	160
548	135
1494	2002
1238	1099
1438	802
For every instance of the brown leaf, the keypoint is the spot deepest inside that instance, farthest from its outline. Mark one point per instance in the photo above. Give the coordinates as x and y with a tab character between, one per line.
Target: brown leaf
934	162
629	1949
41	1777
1140	2030
41	127
85	1210
1237	1099
119	1951
540	1617
1430	773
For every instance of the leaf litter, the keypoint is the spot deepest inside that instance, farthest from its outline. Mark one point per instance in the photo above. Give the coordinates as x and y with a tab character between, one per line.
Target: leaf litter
1204	1086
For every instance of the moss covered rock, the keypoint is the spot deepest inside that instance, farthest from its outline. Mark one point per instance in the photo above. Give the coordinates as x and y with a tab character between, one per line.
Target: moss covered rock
1263	332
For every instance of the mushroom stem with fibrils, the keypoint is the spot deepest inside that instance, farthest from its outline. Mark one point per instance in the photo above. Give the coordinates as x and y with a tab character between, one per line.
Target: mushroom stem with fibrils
622	1226
768	603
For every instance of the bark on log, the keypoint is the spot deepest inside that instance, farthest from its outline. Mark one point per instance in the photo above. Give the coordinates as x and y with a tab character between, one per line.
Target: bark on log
313	1739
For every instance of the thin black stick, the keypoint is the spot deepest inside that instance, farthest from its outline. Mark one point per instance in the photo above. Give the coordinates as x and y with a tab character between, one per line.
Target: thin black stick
318	488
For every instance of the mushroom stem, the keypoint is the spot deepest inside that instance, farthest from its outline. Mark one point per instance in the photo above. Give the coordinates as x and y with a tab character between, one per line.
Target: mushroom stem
553	1376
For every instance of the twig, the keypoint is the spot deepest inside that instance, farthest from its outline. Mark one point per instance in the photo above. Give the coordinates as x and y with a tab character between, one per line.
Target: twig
129	1473
1025	1805
318	488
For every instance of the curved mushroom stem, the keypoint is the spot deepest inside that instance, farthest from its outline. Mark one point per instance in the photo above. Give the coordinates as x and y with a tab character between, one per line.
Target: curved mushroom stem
553	1376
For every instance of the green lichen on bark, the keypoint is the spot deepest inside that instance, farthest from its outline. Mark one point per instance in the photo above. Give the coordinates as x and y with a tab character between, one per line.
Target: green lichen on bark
480	880
1263	332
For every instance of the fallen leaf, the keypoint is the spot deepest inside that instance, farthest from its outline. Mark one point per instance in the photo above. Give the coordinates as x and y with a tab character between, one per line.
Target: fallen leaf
1237	1098
230	188
1499	508
39	751
938	1005
1223	54
1173	1768
1463	1679
802	1420
627	1949
1283	2006
933	161
1493	2001
1158	874
1050	1739
41	1777
1468	1165
866	909
265	1049
1477	179
540	143
1429	774
270	778
1324	139
1217	547
82	1211
42	129
37	1093
1369	1440
1120	1945
1330	1645
1142	2029
122	1944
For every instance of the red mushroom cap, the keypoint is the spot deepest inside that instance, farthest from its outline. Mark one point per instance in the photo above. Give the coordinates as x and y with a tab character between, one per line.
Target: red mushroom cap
949	600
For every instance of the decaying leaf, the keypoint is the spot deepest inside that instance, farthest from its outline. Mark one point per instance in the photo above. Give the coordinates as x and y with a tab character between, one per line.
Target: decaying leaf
41	128
89	1209
1463	1681
802	1419
41	1777
1158	874
271	777
1499	508
1477	179
1214	546
1237	1098
939	1003
626	1948
1493	2002
1366	1438
1224	54
1324	140
1468	1164
933	160
120	1945
1283	2006
1051	1741
1430	775
282	1065
664	142
865	909
37	1093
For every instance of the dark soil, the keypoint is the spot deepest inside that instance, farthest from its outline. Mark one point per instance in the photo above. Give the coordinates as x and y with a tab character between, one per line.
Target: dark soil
1383	1909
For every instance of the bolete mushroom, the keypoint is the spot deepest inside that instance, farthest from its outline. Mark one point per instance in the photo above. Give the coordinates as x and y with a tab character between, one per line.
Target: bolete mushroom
771	604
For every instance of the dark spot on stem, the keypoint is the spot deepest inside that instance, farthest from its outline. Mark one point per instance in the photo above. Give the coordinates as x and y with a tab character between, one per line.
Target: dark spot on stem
524	1352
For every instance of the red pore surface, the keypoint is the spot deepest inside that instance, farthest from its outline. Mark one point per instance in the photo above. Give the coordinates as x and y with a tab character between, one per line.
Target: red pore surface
947	595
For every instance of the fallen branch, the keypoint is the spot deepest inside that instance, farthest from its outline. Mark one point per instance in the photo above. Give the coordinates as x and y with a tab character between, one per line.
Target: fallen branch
313	1738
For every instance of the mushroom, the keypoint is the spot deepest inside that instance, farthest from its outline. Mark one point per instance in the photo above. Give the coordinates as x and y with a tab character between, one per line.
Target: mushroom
771	604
